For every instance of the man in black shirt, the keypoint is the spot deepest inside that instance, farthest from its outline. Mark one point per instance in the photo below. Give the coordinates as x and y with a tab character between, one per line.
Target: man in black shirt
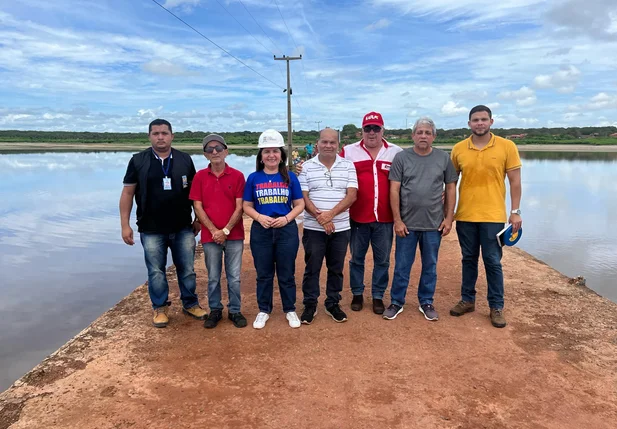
159	178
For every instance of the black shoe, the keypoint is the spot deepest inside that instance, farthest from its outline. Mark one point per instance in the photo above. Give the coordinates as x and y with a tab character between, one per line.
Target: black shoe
213	319
308	315
378	307
336	313
238	319
357	302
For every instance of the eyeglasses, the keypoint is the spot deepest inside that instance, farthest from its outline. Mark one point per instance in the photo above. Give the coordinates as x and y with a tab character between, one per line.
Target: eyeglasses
373	128
218	148
328	175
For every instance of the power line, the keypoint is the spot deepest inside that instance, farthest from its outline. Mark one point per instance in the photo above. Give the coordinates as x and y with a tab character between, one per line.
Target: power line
260	27
265	34
300	107
209	40
245	29
288	32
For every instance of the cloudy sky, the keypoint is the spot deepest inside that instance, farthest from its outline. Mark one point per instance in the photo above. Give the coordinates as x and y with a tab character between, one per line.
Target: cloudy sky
114	65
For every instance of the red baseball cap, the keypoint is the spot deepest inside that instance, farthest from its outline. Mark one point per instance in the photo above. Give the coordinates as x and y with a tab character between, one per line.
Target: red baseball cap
372	118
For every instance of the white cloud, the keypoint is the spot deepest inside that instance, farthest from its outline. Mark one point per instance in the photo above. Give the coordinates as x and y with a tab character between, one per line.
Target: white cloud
564	80
121	64
524	96
166	68
602	101
382	23
150	114
595	19
453	109
12	118
470	95
513	121
467	13
170	4
237	106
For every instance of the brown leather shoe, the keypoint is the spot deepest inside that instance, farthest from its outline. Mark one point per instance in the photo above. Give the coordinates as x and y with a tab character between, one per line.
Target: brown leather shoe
196	312
378	307
462	307
160	319
497	319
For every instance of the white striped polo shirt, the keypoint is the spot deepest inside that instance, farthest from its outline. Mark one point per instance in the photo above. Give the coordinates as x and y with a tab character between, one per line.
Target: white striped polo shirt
326	188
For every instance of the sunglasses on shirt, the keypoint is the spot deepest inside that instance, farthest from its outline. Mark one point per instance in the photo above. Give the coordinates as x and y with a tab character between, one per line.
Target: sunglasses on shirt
373	128
211	149
328	175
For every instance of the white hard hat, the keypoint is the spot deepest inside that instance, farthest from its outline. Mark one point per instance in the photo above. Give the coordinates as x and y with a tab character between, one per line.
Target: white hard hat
270	138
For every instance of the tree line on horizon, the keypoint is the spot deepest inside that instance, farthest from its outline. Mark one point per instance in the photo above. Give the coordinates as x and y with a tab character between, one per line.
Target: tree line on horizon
349	133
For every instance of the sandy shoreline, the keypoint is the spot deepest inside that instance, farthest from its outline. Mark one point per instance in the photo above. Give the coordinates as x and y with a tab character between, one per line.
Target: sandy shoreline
18	147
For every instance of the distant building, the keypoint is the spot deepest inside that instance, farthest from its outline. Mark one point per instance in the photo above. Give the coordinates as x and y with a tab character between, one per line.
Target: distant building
613	135
516	136
392	137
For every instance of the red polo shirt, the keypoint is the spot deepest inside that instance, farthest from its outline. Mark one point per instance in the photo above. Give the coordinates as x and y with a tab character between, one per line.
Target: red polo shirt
373	201
218	196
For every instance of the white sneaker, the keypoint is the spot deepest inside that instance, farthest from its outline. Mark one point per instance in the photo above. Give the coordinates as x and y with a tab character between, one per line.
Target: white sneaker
260	320
292	317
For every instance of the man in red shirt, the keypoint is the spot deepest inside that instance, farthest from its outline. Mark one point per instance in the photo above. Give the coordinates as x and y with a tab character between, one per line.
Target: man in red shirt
371	215
217	198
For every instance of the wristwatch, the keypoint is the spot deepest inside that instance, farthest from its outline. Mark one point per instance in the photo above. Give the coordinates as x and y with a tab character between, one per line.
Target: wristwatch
516	212
225	231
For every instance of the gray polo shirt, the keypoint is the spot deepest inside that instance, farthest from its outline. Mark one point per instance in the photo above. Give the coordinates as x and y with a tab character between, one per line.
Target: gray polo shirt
422	181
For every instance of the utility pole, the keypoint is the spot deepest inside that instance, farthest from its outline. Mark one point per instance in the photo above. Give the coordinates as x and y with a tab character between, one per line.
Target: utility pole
318	122
288	90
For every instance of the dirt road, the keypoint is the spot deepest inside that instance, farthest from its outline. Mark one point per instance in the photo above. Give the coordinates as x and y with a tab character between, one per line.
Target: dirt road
554	366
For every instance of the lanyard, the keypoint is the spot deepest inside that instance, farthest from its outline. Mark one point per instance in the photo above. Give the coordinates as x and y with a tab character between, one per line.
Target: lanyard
165	170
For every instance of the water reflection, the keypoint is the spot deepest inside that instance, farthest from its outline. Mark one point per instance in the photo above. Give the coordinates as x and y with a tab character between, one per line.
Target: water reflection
568	214
62	260
571	156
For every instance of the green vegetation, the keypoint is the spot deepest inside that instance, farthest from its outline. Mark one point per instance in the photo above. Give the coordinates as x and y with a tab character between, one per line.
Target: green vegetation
180	138
349	134
571	135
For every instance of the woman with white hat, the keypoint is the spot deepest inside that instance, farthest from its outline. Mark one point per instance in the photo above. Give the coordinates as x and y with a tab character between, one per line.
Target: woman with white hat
273	199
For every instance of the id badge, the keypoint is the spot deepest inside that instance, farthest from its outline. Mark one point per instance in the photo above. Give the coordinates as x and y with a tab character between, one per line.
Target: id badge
166	183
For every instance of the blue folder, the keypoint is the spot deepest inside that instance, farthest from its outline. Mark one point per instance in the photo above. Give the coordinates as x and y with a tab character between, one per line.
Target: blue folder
506	238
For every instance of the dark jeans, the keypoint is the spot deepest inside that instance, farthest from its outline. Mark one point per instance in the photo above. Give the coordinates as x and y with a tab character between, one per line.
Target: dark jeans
275	250
472	236
182	245
379	235
318	244
404	256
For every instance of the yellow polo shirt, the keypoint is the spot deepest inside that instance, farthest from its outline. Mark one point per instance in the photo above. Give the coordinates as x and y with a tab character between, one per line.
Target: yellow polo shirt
482	189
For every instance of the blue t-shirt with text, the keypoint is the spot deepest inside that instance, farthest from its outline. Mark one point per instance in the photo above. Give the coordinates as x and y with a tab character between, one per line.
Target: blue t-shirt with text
270	195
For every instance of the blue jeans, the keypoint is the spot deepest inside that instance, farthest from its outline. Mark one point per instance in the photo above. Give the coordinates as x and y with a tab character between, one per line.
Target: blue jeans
472	236
404	256
275	250
182	245
213	254
317	245
379	235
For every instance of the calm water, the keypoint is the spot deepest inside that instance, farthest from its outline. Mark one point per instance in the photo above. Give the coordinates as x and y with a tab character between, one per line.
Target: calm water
63	262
